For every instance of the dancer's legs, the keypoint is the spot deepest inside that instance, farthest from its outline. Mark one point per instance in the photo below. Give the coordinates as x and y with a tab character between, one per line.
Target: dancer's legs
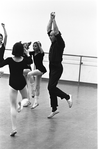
24	93
25	72
32	86
1	72
37	88
25	101
13	105
38	75
35	72
37	85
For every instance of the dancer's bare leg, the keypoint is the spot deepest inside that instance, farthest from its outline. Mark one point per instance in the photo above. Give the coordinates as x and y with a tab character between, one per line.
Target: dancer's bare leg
25	101
37	75
13	108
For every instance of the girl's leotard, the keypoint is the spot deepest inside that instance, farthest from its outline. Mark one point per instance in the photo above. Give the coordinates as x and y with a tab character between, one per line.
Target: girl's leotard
28	65
16	79
2	50
38	61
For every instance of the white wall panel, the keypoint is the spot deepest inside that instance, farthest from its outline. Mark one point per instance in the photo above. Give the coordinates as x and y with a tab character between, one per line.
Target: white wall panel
89	70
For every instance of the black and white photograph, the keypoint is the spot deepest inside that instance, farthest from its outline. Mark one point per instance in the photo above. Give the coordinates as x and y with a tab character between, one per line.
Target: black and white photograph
48	74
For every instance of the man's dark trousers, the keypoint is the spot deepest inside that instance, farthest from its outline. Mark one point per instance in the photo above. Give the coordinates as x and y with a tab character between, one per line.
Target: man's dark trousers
55	72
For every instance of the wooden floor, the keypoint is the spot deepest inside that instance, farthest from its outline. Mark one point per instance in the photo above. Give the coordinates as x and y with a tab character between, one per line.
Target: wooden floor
74	128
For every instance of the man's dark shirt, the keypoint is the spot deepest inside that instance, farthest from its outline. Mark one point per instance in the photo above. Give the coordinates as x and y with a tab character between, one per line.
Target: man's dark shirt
56	49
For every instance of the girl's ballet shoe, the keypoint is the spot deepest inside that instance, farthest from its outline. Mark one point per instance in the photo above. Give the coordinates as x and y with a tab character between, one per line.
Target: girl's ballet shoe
27	104
35	105
12	134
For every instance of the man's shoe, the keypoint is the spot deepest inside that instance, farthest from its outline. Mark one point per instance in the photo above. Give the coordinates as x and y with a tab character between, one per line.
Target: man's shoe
12	134
53	113
69	101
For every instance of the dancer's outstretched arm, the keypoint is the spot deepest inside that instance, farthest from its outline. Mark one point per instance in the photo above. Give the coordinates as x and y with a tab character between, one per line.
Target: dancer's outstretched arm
55	27
49	26
5	34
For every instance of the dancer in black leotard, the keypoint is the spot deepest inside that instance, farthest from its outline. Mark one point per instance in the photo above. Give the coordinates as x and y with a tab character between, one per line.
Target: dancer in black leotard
2	46
17	81
30	80
38	70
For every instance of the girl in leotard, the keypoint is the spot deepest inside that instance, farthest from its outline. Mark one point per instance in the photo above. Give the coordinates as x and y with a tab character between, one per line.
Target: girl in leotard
28	80
2	46
17	81
38	70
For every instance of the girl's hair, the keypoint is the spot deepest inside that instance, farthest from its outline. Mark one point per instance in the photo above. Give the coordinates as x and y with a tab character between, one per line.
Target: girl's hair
37	42
1	35
39	45
18	49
